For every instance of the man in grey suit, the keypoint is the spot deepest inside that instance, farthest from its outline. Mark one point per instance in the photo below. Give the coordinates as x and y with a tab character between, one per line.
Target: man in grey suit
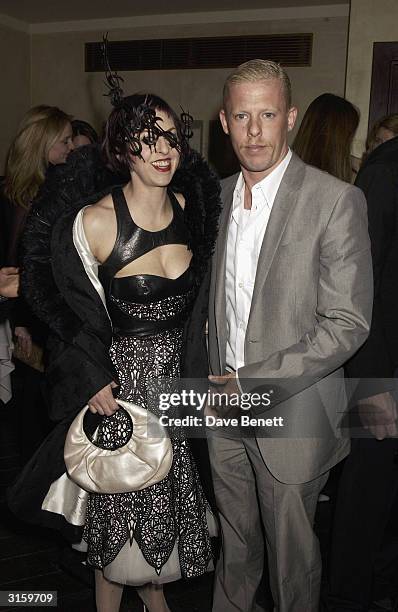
290	302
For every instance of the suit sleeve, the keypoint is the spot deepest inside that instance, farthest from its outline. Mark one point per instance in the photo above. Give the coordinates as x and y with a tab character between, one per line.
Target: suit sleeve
344	306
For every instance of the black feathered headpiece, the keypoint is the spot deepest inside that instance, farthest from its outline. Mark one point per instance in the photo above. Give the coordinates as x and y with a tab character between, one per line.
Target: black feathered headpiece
132	120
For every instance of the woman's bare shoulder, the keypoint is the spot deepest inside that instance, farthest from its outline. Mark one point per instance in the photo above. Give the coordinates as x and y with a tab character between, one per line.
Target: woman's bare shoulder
100	212
103	206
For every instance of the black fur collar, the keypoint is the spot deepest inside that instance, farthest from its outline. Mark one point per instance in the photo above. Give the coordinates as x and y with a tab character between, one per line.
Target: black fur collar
201	191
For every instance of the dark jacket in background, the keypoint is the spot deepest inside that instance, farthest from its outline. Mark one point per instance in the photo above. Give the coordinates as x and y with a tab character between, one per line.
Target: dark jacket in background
14	219
378	356
360	563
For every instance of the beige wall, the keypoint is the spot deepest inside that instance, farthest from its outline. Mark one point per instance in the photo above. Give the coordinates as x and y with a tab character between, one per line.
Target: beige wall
370	21
15	81
58	75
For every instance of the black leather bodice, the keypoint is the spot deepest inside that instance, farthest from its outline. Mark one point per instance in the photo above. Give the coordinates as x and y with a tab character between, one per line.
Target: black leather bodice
144	304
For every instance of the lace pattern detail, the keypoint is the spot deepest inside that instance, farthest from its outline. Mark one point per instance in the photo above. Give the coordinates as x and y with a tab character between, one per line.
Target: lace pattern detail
172	511
158	310
114	432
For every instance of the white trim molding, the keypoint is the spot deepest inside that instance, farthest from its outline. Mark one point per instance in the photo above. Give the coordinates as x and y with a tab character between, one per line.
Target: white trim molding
14	24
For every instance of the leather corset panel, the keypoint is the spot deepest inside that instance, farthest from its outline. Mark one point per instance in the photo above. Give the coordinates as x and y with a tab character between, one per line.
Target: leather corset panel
144	304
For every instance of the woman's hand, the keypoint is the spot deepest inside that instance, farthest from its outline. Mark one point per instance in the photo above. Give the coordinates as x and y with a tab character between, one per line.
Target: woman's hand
9	282
24	340
103	401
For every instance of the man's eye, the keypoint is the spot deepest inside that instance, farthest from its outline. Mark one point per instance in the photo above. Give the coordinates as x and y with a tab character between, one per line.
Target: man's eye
240	116
269	115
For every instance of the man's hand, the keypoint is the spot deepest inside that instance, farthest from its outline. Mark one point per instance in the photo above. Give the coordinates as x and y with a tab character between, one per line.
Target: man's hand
225	385
24	340
378	414
9	282
103	401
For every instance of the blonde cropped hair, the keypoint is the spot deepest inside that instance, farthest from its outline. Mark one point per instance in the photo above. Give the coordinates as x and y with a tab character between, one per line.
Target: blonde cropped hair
389	122
27	159
259	70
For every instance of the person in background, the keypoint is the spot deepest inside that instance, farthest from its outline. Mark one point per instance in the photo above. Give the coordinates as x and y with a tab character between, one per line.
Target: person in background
324	140
43	141
9	282
9	286
9	275
364	555
325	135
83	133
384	129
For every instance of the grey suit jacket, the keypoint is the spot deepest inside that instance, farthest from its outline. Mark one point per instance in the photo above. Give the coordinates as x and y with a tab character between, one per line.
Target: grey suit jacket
310	311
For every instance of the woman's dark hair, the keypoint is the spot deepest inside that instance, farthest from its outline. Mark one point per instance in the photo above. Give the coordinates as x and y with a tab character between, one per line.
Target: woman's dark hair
127	121
82	128
325	135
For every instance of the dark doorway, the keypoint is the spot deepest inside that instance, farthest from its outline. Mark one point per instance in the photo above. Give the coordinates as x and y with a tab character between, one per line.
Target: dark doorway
384	89
221	154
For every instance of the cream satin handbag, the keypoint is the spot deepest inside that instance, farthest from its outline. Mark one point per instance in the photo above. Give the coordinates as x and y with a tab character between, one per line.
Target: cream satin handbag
142	461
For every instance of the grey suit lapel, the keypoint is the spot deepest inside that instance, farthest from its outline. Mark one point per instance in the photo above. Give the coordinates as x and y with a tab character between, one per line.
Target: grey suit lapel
283	206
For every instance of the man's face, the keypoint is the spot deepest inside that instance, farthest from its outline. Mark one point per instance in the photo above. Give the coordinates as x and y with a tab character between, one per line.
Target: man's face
257	120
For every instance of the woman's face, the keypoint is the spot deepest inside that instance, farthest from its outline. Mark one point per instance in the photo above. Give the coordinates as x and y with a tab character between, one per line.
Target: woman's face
159	162
80	140
382	135
61	147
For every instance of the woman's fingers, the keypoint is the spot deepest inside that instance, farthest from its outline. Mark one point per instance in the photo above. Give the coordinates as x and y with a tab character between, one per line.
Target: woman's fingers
103	401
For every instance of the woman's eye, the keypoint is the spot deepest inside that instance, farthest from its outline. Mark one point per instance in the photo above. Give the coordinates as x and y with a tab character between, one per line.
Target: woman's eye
171	138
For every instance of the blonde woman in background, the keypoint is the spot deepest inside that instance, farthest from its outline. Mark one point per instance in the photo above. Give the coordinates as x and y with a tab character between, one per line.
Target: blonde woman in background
43	140
384	129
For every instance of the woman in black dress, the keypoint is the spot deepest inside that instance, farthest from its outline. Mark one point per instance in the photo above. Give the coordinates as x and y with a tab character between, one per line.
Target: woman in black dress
148	245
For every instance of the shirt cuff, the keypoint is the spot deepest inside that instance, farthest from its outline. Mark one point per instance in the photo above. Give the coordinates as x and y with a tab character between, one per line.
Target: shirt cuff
238	381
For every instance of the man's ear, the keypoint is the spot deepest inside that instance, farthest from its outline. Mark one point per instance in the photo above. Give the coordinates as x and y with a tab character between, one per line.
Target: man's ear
291	118
223	120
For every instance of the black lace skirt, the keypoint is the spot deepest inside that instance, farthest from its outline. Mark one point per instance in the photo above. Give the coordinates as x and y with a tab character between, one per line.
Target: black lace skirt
162	532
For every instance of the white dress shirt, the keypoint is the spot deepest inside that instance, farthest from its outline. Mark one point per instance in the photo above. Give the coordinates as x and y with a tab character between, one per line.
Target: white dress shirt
245	237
